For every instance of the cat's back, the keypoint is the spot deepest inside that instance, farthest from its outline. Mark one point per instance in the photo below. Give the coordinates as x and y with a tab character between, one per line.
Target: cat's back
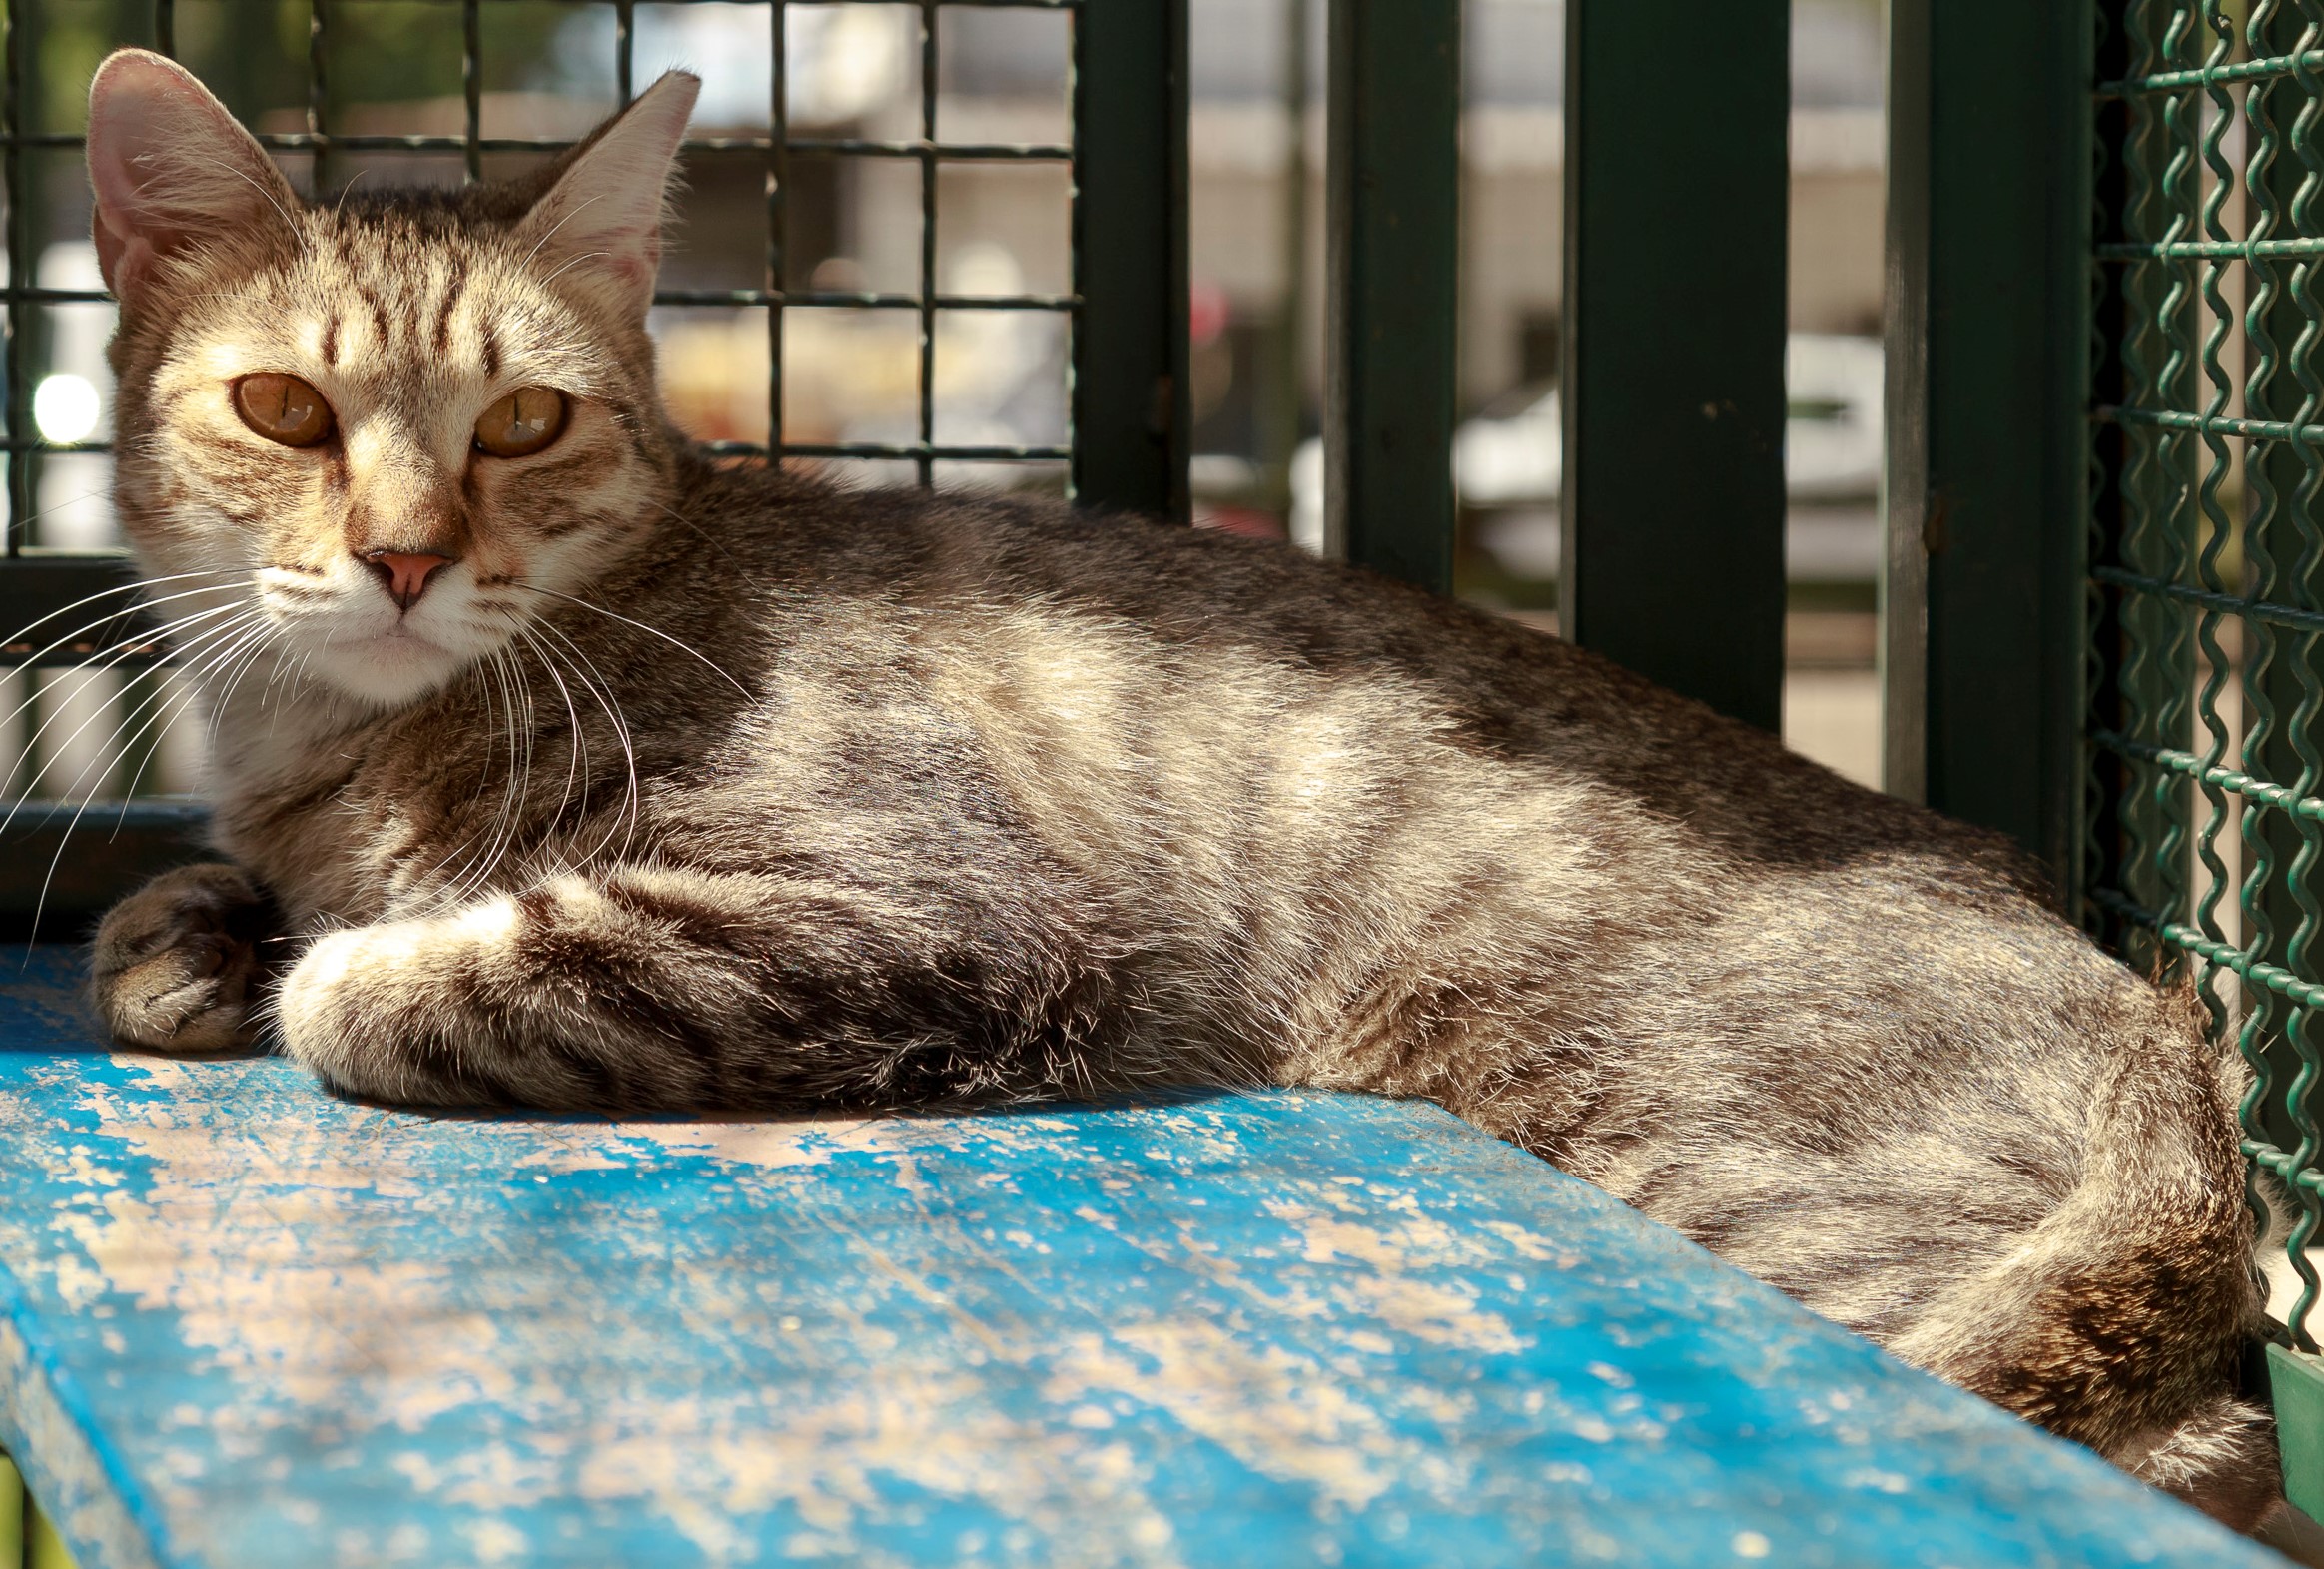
880	574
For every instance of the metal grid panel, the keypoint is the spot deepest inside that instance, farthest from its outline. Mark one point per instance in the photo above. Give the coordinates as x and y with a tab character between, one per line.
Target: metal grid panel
777	147
2204	807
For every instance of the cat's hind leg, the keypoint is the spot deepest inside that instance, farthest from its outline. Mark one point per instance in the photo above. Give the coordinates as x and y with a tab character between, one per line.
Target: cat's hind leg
2122	1319
2053	1221
175	965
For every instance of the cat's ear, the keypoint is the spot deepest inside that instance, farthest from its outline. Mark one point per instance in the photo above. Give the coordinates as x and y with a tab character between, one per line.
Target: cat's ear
172	169
601	223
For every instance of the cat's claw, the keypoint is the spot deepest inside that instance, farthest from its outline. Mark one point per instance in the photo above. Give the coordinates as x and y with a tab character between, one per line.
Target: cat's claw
175	963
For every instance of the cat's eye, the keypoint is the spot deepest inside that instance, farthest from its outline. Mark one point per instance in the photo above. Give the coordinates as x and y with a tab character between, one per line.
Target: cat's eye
281	408
521	424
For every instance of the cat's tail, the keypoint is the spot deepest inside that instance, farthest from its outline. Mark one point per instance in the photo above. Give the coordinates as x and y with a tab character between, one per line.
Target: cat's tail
2122	1320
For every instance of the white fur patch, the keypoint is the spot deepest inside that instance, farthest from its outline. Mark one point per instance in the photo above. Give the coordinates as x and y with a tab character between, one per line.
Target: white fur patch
492	923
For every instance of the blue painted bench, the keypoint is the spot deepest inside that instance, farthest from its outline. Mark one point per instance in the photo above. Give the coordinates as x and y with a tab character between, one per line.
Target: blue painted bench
243	1324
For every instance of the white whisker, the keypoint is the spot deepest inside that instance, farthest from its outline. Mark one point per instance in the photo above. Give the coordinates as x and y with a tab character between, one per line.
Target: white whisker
112	655
186	699
25	634
578	209
601	690
40	905
442	875
226	672
573	719
652	631
32	743
699	532
508	821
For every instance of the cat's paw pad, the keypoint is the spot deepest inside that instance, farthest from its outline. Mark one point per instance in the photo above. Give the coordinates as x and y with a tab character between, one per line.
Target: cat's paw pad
175	963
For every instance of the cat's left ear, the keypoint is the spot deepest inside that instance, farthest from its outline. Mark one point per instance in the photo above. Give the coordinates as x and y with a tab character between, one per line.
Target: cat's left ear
600	225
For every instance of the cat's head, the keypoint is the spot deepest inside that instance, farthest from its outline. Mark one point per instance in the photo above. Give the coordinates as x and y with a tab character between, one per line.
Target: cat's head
394	428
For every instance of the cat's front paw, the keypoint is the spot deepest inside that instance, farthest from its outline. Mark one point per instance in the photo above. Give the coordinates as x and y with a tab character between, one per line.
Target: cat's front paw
384	1012
175	965
325	1026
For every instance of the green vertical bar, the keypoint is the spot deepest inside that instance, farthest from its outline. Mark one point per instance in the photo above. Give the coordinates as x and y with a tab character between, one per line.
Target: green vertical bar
319	97
1283	394
624	49
1129	410
17	45
930	15
12	1508
1393	218
1988	318
473	87
778	212
44	1548
1677	179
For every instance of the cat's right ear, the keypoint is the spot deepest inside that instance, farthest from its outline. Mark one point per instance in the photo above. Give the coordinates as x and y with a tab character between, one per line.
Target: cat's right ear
172	169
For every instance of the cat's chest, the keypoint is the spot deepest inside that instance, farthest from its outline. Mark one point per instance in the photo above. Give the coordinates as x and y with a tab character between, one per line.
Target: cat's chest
344	821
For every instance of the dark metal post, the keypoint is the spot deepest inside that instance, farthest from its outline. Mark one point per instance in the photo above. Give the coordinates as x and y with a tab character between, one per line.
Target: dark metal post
472	87
1282	395
1129	410
16	118
1673	380
1988	310
1393	214
778	196
319	97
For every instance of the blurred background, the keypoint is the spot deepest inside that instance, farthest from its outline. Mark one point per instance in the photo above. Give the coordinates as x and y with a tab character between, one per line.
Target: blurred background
851	373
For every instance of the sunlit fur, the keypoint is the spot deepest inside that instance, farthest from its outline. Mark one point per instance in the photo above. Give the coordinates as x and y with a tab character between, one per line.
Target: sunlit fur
701	786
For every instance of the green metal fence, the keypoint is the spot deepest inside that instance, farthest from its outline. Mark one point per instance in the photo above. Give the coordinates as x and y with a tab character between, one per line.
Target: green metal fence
2204	802
2105	598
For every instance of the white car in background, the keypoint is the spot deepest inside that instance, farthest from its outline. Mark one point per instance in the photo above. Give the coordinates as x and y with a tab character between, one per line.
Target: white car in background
1507	464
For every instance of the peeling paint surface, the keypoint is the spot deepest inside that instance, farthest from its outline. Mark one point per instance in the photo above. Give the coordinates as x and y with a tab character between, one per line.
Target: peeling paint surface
243	1324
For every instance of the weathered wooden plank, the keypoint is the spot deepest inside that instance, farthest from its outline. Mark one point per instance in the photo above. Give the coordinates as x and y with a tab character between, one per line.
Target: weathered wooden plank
245	1325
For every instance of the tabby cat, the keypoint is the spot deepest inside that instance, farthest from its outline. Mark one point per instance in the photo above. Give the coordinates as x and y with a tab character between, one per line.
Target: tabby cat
584	771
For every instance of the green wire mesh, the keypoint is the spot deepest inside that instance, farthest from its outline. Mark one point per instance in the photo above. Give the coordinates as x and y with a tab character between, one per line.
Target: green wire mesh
2205	786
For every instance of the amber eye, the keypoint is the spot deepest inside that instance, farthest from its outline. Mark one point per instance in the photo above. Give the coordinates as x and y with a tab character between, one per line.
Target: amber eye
521	424
281	408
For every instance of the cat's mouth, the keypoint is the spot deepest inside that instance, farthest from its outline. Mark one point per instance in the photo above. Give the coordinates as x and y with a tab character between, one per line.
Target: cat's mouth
391	667
401	632
399	641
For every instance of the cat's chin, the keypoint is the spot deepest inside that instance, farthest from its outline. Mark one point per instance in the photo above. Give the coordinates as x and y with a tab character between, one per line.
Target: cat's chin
390	671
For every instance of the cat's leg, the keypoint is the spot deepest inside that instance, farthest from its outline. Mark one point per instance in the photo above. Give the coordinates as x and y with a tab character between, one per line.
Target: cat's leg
656	989
2064	1234
175	965
2122	1317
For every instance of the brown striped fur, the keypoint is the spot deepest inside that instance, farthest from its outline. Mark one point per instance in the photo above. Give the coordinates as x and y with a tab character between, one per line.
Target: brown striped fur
703	786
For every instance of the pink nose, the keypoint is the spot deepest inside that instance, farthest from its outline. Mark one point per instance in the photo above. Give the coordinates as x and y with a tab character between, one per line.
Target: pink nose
405	575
